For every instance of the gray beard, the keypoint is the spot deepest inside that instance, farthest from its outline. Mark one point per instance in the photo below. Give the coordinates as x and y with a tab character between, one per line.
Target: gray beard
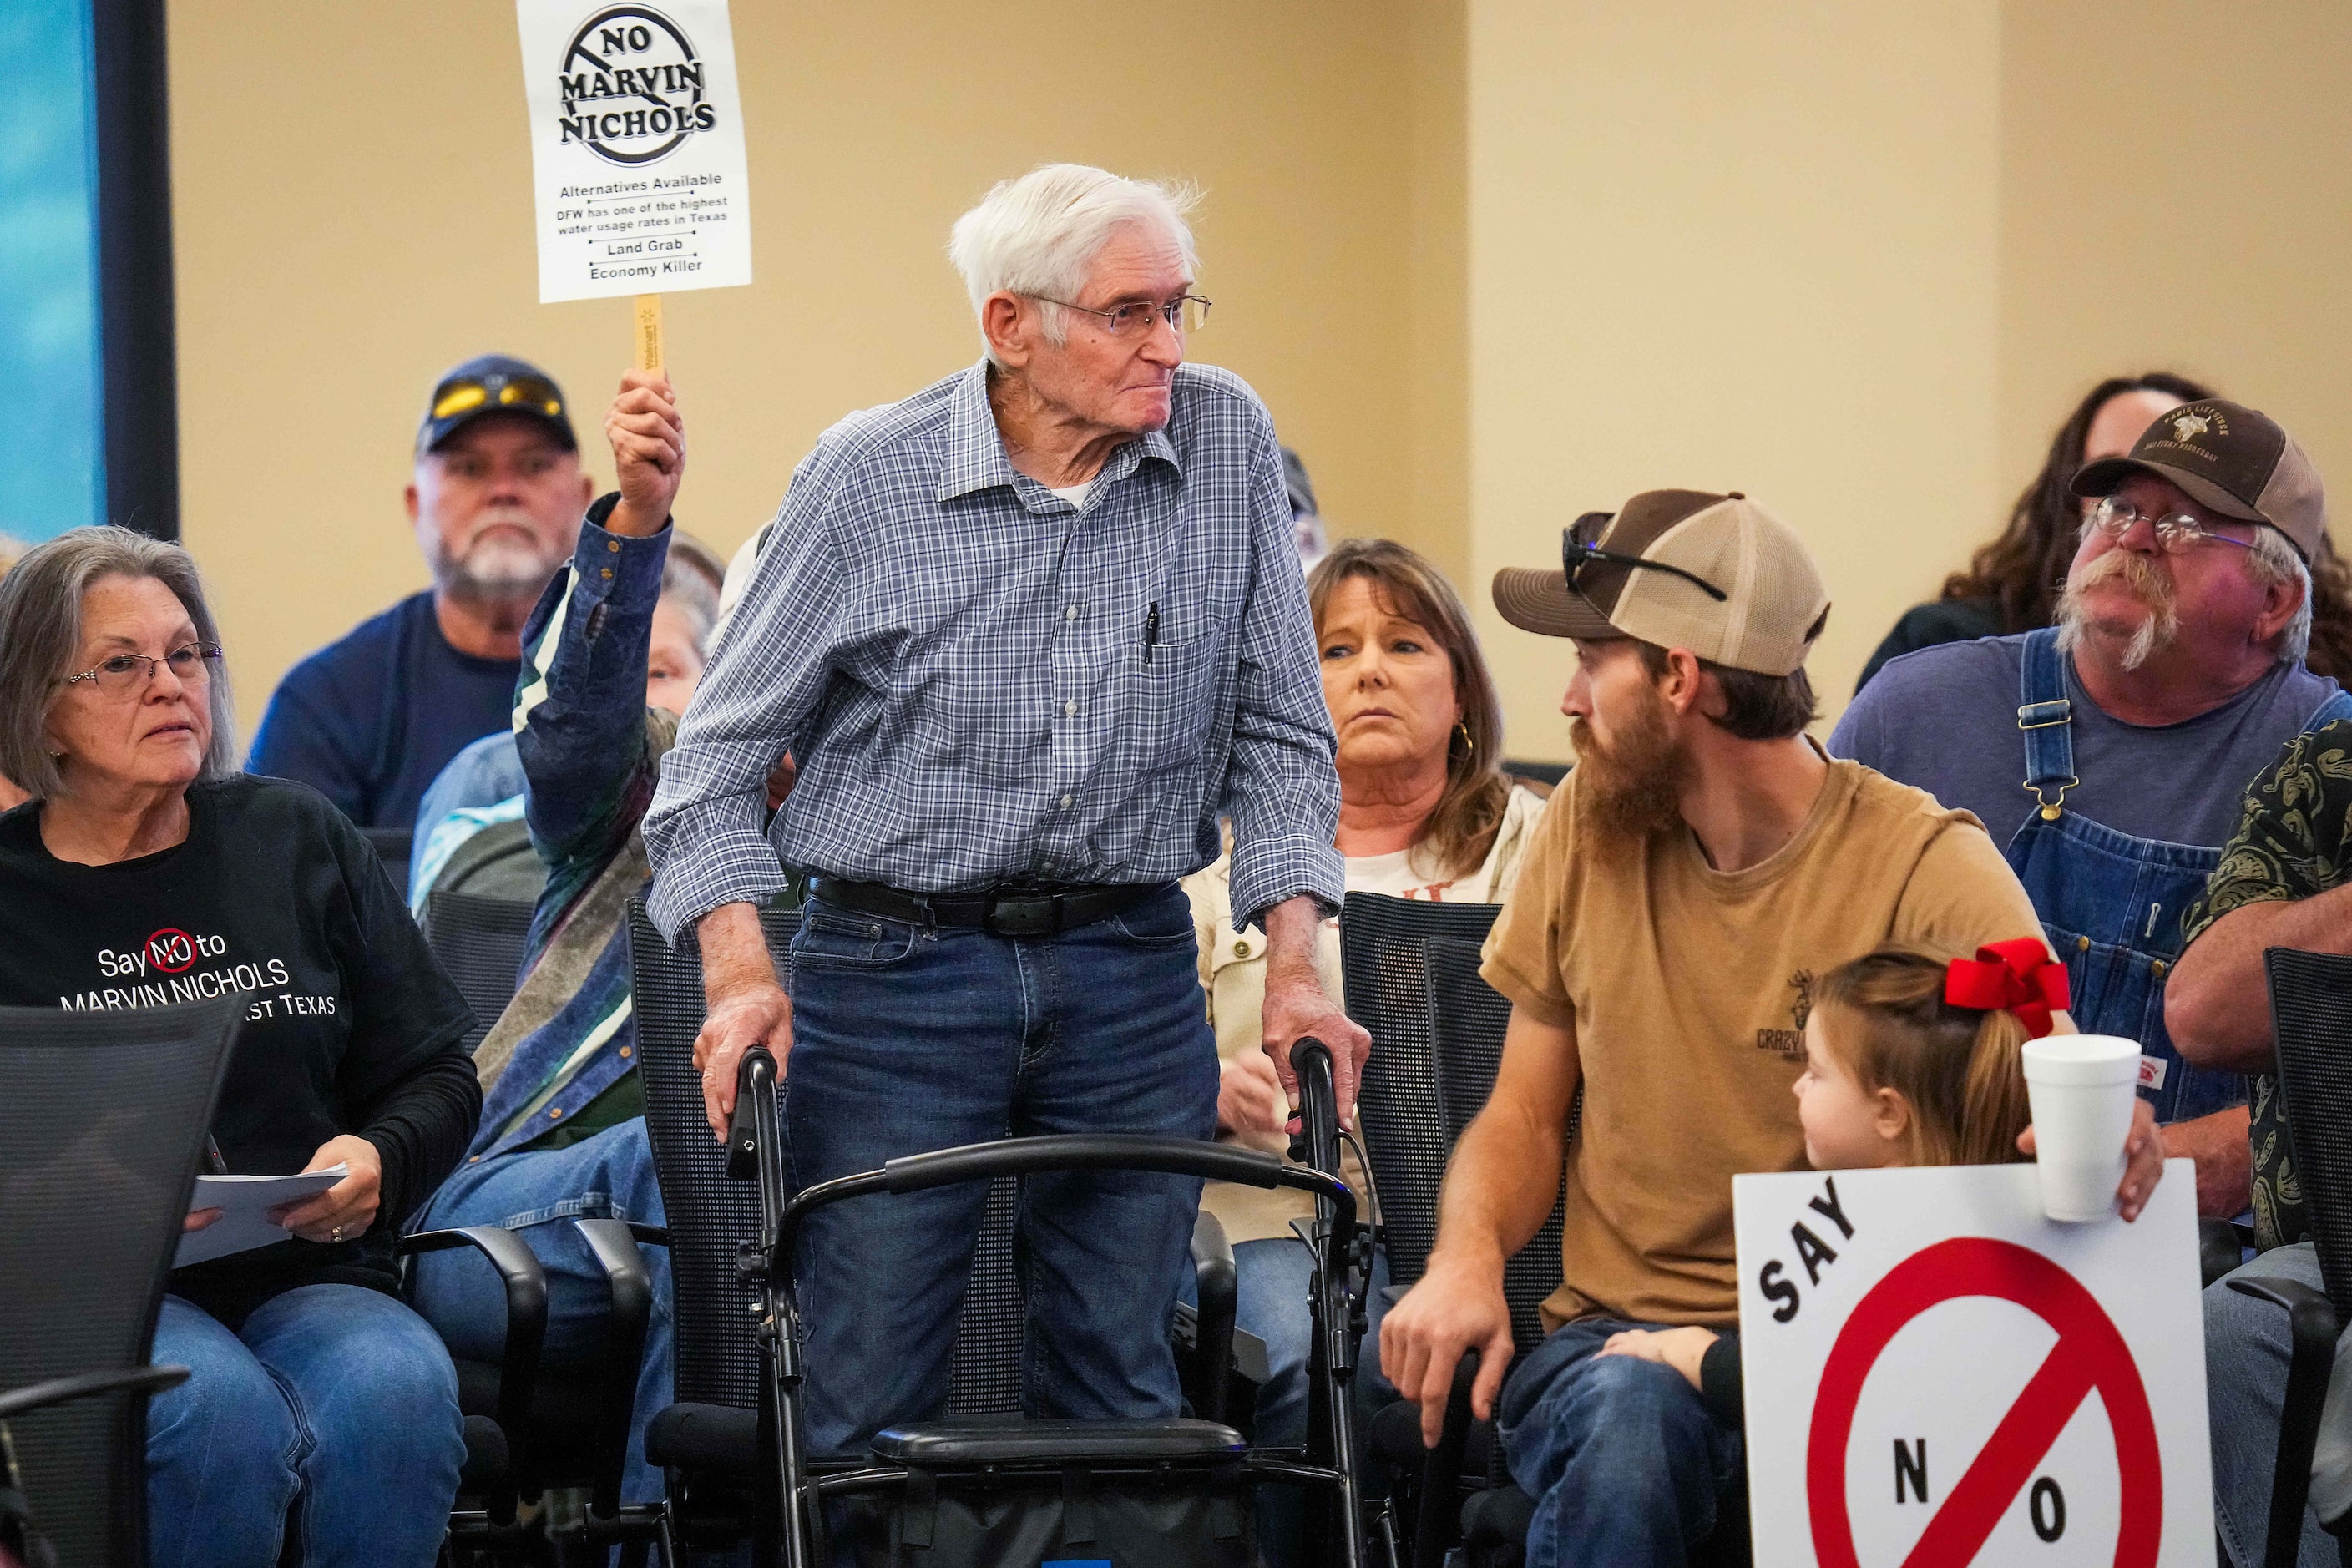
492	576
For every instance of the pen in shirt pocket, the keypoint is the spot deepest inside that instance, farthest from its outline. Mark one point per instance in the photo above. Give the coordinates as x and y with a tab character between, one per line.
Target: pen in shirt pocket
214	1163
1151	630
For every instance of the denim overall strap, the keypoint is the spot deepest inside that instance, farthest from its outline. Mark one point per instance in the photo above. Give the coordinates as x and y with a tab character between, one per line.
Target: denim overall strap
2336	707
2110	903
2046	719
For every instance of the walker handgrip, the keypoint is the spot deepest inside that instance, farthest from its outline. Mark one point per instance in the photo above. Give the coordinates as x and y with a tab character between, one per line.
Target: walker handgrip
1316	1143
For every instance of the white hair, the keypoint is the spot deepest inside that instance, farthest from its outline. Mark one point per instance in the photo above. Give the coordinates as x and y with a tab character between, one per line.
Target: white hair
2273	560
1038	235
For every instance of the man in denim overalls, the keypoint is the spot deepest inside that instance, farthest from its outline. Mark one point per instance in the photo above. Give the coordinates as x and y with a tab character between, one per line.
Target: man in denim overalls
2172	676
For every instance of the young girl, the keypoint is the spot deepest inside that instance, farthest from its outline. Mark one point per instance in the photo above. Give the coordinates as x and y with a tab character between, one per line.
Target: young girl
1911	1060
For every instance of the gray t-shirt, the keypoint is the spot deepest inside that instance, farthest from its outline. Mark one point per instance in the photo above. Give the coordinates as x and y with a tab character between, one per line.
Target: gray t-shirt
1945	720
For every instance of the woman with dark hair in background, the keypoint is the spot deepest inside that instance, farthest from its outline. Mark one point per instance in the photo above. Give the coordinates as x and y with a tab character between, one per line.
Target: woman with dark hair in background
2011	582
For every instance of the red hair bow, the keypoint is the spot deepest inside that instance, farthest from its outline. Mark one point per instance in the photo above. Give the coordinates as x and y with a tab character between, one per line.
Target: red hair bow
2018	975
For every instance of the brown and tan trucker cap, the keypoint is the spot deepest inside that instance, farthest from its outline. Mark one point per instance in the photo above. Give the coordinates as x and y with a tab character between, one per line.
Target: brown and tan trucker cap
2231	458
1772	604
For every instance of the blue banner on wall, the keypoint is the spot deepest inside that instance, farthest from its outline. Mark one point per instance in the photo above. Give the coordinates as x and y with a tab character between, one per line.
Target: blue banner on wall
51	445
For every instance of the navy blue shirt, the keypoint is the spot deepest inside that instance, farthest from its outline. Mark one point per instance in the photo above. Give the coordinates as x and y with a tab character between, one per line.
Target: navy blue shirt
370	721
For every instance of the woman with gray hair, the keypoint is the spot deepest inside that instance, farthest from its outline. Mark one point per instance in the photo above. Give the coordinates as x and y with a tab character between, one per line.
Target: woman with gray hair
146	870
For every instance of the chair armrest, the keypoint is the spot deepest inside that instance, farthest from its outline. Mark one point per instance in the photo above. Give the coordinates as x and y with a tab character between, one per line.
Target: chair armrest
630	1284
1439	1529
2311	1320
83	1386
526	1286
2220	1247
1217	1286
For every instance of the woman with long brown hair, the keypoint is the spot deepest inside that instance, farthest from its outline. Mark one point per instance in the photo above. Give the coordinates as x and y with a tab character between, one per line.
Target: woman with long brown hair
1426	812
2011	582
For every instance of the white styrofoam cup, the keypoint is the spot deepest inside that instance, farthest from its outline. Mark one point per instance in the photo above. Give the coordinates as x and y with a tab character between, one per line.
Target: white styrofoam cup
2081	1088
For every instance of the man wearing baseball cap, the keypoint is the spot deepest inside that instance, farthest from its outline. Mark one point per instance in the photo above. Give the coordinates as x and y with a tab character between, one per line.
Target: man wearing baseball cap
496	498
1702	863
2110	754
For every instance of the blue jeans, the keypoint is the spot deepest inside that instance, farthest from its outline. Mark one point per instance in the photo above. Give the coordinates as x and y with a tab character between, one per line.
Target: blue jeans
2247	1347
906	1039
1626	1467
536	1194
1273	1275
334	1401
1272	1279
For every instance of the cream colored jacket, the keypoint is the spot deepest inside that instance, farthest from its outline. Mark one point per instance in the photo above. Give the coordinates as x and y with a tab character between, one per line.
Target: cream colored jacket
1233	974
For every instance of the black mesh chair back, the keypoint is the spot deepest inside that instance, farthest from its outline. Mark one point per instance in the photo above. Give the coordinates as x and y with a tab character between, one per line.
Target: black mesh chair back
480	943
102	1123
2311	1007
1467	1020
710	1212
1384	954
392	846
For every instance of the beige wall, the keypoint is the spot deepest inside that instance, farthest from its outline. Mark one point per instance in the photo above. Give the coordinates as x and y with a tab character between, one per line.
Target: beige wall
2177	186
1732	247
353	206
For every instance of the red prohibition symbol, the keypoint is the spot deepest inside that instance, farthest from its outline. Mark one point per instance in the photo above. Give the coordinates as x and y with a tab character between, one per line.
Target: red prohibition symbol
172	950
2089	1354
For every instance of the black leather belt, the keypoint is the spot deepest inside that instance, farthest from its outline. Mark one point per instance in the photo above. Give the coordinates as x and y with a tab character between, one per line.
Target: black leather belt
1004	911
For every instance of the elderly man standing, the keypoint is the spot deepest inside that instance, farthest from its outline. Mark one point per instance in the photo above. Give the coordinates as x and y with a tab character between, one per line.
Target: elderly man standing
1027	634
2110	751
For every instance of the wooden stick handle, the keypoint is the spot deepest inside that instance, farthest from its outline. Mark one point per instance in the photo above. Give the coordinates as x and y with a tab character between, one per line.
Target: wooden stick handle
649	331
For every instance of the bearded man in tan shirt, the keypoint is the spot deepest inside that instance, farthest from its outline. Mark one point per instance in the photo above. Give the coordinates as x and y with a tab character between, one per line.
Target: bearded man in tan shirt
1703	863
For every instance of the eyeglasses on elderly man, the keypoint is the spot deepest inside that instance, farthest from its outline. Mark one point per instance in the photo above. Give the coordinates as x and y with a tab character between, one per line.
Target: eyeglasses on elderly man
2177	533
1185	314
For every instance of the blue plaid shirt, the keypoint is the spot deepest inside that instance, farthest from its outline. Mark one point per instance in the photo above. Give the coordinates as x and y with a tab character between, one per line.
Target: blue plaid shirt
980	682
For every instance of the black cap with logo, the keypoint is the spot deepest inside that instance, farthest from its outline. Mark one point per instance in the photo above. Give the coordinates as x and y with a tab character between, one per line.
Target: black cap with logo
2229	459
493	384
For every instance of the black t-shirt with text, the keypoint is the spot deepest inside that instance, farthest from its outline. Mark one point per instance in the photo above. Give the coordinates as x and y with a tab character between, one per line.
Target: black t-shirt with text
353	1026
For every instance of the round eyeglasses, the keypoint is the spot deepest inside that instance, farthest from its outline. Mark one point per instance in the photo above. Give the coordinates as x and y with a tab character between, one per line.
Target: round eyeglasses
2177	533
128	673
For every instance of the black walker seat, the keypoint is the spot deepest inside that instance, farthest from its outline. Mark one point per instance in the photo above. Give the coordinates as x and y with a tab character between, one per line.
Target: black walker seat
733	1445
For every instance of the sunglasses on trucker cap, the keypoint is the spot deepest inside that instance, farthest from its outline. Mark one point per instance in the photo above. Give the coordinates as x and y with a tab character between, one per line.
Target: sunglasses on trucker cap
494	383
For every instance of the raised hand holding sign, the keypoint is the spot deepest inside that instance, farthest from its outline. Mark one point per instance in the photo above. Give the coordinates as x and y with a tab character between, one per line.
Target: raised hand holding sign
636	140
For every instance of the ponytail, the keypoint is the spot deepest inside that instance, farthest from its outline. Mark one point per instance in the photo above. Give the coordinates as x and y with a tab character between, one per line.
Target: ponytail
1993	1108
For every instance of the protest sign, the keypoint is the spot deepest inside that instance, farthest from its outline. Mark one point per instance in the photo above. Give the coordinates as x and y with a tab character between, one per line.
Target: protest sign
1936	1374
636	141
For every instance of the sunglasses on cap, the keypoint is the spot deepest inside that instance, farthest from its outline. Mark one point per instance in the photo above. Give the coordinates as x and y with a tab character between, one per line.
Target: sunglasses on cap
1577	552
523	394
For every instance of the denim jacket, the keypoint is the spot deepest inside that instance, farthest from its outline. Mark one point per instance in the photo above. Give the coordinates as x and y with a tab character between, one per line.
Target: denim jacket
590	751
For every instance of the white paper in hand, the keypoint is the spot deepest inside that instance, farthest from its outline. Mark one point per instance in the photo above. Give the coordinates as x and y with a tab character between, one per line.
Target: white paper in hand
245	1203
637	147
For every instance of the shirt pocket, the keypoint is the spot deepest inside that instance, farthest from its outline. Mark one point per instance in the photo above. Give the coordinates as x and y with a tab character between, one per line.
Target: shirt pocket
1170	702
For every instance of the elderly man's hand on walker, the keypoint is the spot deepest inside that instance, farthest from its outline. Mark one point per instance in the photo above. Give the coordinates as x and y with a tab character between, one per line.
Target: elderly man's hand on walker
1297	1007
745	1006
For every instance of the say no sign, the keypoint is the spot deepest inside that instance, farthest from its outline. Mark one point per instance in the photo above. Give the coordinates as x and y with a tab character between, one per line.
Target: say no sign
1938	1375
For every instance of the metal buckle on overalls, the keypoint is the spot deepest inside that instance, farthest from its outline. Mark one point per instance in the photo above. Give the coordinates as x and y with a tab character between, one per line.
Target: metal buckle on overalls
2046	716
2052	809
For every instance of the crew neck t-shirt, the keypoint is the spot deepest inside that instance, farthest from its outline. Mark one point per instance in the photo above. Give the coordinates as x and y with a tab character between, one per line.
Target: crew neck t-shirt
353	1026
1688	988
371	721
1945	718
